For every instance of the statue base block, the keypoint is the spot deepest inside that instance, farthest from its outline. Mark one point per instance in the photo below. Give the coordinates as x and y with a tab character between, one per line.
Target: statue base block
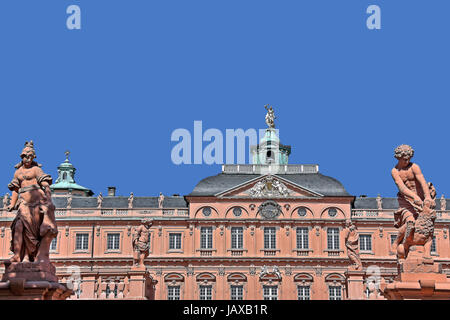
355	283
418	281
32	271
138	278
31	281
419	266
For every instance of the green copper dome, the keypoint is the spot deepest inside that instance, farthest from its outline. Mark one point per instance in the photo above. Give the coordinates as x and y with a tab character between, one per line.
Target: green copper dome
66	180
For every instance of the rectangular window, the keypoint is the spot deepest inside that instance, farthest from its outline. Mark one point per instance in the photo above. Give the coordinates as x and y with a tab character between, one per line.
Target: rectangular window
173	293
365	242
302	238
333	238
82	241
205	292
206	238
237	238
335	292
113	241
270	238
393	238
270	292
53	244
175	241
433	245
237	293
303	293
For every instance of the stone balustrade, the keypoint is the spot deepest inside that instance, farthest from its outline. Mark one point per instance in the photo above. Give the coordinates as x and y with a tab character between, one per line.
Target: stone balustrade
274	169
389	214
83	212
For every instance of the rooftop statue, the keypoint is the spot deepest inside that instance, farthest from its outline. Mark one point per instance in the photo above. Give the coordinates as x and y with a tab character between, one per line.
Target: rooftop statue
416	215
130	201
69	201
5	200
270	116
99	200
34	226
379	202
160	200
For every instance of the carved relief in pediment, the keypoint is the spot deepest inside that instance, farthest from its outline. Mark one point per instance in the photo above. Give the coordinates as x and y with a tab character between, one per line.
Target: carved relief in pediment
269	187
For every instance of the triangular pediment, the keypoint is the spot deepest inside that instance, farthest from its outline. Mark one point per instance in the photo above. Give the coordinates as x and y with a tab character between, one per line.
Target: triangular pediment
269	186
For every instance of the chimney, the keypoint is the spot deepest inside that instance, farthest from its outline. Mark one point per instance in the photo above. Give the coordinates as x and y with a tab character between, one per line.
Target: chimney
111	191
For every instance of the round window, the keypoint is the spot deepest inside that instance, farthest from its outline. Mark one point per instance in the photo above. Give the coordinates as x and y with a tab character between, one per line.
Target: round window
332	212
301	212
237	211
207	211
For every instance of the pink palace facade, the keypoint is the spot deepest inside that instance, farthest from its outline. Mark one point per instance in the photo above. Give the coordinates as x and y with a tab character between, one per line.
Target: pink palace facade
260	231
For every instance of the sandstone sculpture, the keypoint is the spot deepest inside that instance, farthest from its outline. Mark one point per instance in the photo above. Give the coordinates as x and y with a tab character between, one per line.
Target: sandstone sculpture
160	200
352	244
141	242
277	272
419	276
130	201
416	215
69	201
29	274
379	202
34	226
5	201
99	200
264	271
269	187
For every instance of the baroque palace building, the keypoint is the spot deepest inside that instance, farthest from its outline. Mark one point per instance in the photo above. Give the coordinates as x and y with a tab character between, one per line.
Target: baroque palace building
270	230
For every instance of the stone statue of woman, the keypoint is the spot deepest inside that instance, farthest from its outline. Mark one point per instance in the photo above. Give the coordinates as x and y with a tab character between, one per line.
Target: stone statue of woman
352	244
34	226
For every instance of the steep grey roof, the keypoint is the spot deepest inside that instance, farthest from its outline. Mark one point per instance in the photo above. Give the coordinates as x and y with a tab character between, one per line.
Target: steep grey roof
316	182
120	202
387	203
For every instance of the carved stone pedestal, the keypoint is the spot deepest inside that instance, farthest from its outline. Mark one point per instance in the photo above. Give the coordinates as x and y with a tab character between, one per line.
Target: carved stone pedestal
418	278
31	281
355	280
139	278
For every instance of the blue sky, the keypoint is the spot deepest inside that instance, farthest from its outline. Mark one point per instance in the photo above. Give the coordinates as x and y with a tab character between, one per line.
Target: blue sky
113	92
